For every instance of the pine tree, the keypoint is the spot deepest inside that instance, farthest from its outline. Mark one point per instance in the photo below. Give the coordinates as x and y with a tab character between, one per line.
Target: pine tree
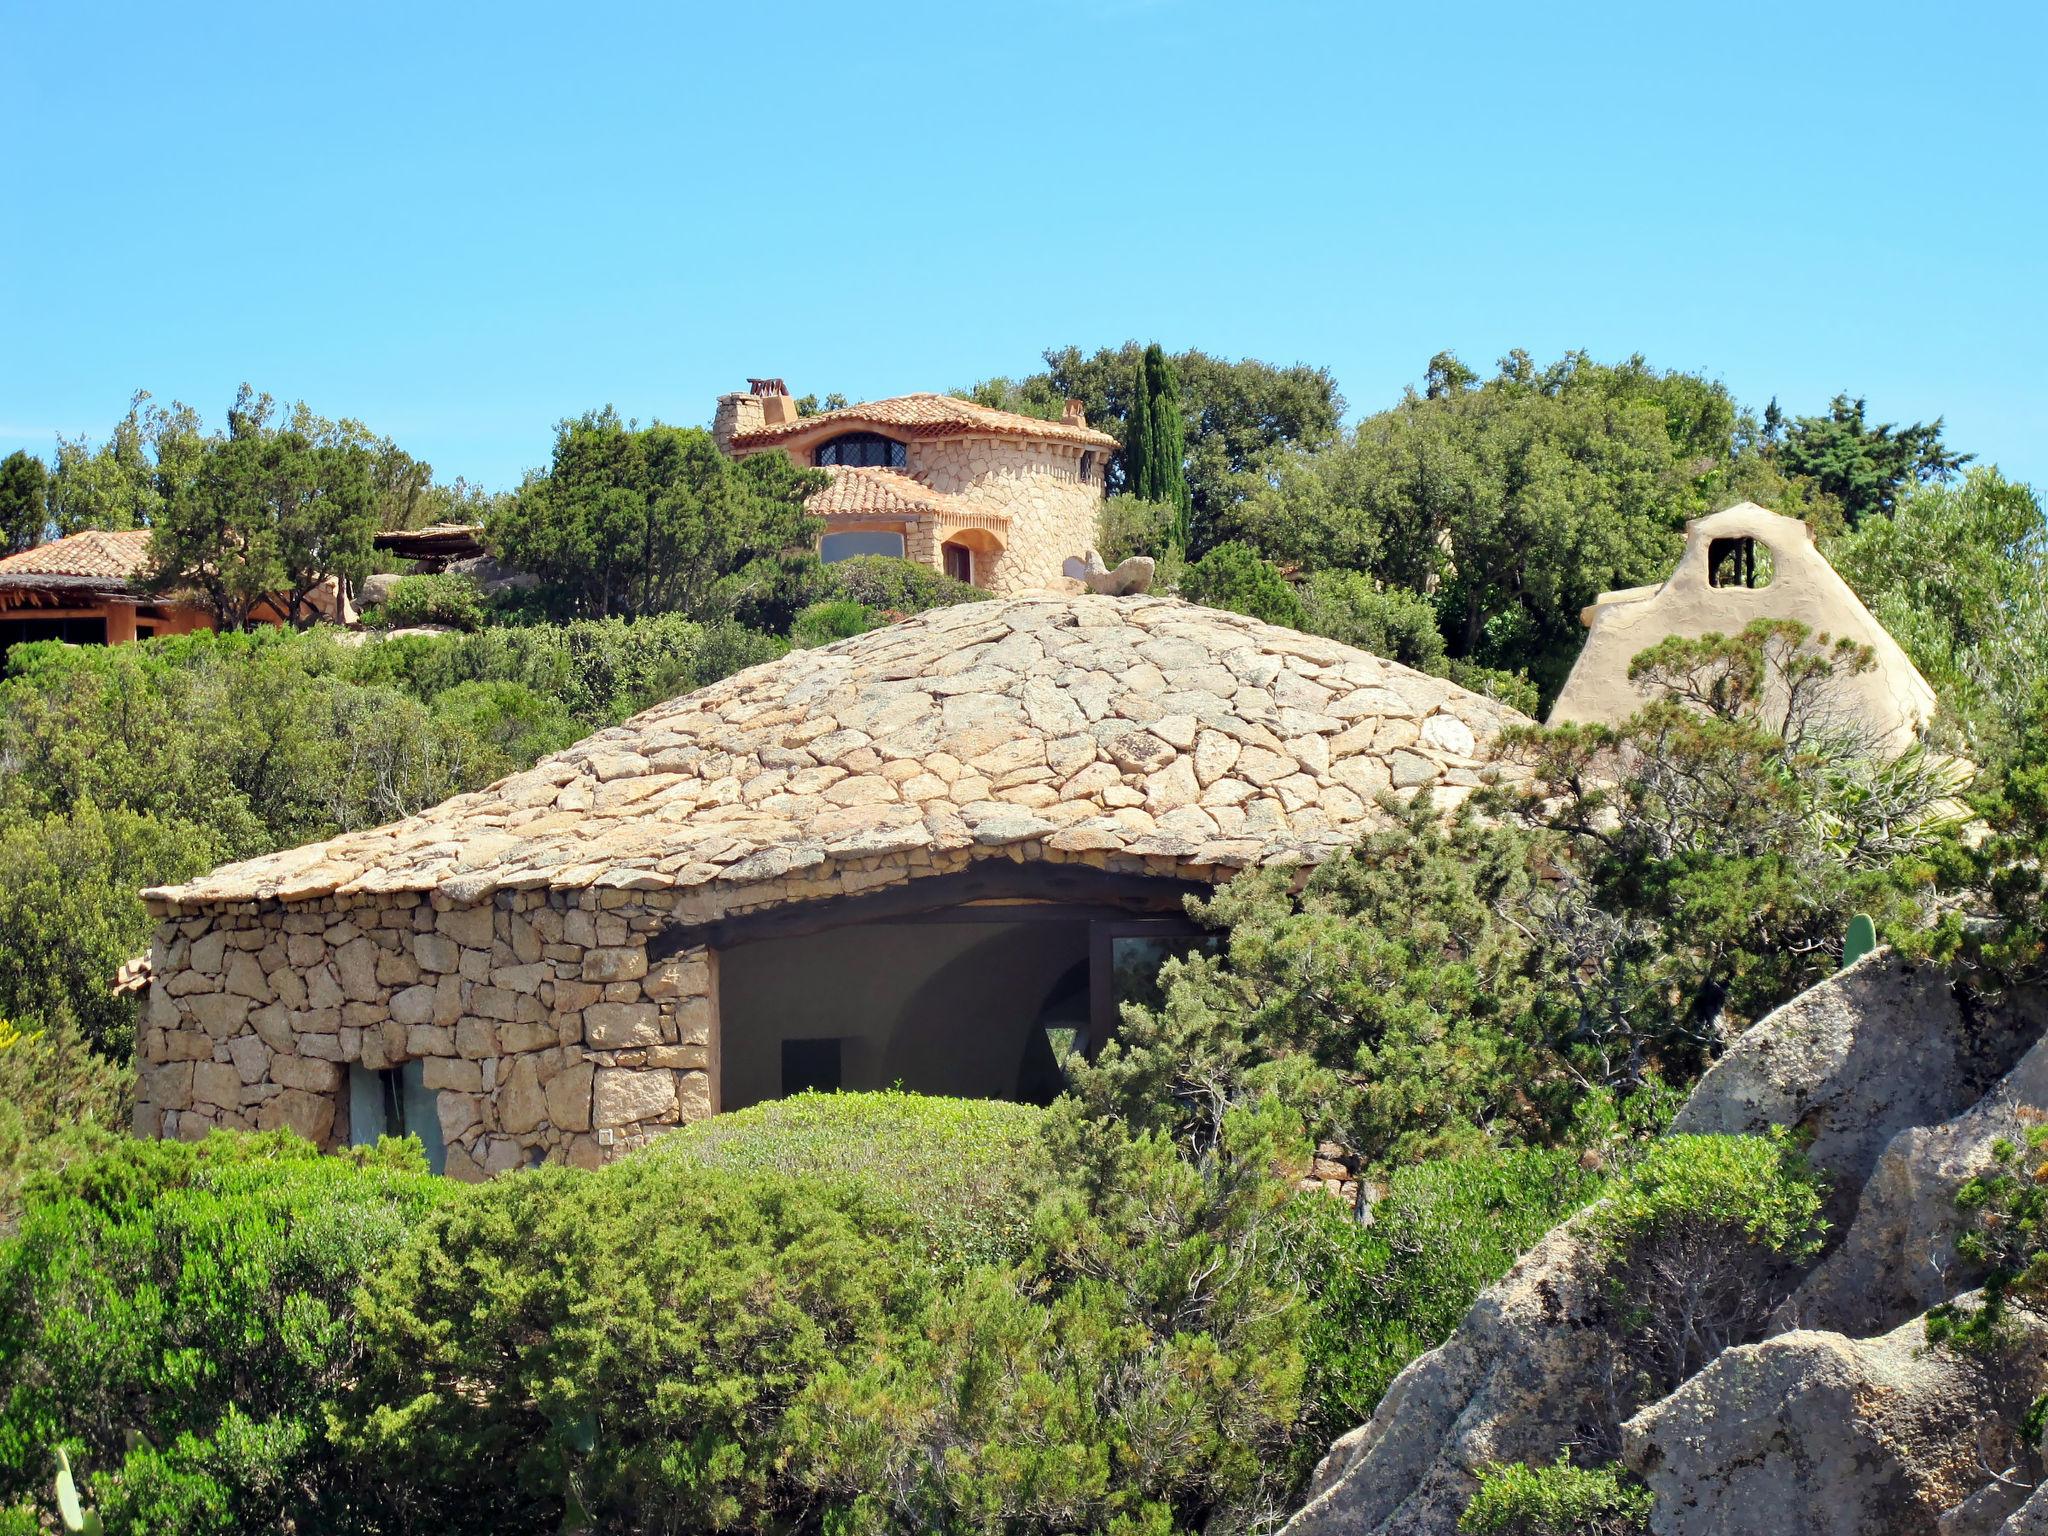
1157	452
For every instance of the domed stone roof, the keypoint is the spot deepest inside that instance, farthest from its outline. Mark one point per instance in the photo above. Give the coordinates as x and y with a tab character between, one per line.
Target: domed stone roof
1134	733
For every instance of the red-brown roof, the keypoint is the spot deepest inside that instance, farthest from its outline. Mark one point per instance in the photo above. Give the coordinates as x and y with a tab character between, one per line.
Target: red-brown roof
114	557
925	415
875	493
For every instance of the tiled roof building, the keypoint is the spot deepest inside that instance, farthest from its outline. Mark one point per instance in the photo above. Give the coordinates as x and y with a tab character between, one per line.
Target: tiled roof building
992	497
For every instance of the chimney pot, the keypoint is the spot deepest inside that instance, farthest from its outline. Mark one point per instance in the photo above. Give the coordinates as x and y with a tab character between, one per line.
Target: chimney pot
1076	414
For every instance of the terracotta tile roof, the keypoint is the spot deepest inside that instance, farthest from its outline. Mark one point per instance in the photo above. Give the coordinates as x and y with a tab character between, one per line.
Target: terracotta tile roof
97	554
876	493
926	415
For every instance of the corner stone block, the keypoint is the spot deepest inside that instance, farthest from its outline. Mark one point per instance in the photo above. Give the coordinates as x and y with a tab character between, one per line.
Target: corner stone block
622	1096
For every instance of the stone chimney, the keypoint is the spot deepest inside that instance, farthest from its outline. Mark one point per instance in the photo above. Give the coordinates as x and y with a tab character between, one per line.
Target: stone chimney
737	413
1076	414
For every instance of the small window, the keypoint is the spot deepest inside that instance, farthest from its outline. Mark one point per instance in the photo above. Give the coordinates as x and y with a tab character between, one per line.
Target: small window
1087	465
959	561
1738	563
844	546
810	1065
860	450
395	1102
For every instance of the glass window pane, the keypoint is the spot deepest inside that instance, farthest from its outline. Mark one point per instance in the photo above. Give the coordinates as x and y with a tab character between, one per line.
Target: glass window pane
844	546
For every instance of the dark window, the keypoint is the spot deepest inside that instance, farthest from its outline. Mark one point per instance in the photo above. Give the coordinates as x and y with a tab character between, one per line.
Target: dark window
1087	464
809	1064
959	561
395	1102
145	631
865	450
71	631
1738	563
845	546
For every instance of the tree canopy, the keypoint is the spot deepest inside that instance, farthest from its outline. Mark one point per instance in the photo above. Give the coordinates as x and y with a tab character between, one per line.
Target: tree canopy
1864	467
633	520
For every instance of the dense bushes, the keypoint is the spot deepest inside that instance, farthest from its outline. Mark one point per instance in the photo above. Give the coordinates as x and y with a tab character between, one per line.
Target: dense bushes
1386	1292
451	599
199	1297
1559	1500
963	1174
1701	1237
842	1314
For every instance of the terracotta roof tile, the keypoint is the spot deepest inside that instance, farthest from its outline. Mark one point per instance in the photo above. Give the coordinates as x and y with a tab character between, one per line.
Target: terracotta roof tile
95	553
927	415
876	493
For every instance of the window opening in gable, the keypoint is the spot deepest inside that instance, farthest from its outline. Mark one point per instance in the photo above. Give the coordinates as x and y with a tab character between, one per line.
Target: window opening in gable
1742	562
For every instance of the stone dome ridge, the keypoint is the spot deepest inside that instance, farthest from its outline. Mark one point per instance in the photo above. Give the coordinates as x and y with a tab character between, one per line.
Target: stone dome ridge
1136	733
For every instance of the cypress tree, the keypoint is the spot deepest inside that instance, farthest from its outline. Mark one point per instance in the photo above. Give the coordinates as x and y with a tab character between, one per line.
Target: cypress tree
1158	448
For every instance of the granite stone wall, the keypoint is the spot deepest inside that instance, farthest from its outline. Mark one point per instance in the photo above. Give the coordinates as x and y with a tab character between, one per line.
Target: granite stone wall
1038	485
543	1028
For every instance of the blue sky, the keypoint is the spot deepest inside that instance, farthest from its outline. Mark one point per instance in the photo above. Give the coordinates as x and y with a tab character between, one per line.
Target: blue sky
461	223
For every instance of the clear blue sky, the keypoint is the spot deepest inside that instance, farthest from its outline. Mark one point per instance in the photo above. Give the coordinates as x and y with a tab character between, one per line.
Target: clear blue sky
461	223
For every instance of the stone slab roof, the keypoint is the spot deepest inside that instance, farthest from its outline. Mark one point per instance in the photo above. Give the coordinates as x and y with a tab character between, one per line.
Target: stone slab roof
864	492
927	415
1139	729
96	554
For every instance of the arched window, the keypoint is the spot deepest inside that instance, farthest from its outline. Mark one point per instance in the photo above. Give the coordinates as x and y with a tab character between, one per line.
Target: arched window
865	450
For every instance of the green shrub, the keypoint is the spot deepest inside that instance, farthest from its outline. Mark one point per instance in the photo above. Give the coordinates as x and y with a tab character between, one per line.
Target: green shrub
1128	525
961	1174
1702	1237
898	586
2006	1208
1513	689
823	623
631	1339
1385	1293
449	599
1386	621
58	1099
1515	1499
200	1297
1233	576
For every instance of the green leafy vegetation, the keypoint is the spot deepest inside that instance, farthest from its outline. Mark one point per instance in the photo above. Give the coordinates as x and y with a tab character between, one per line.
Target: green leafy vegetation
1383	1293
450	599
1515	1499
1701	1235
2005	1242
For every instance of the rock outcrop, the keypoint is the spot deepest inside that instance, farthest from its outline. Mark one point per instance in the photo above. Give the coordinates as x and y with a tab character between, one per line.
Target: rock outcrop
1899	1257
1895	1093
1826	1435
1527	1373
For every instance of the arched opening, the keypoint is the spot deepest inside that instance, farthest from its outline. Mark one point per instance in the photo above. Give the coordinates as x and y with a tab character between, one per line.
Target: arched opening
859	450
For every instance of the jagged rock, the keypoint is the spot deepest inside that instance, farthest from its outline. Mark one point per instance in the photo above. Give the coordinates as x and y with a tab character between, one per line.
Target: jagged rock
1526	1374
1826	1435
2030	1519
1850	1063
1899	1256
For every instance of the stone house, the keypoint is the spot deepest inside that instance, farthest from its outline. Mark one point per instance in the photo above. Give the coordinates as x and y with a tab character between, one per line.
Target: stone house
1742	564
937	854
987	496
86	589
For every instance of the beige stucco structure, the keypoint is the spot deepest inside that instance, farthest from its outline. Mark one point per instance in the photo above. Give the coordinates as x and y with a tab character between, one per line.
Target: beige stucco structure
1014	497
684	912
1891	700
